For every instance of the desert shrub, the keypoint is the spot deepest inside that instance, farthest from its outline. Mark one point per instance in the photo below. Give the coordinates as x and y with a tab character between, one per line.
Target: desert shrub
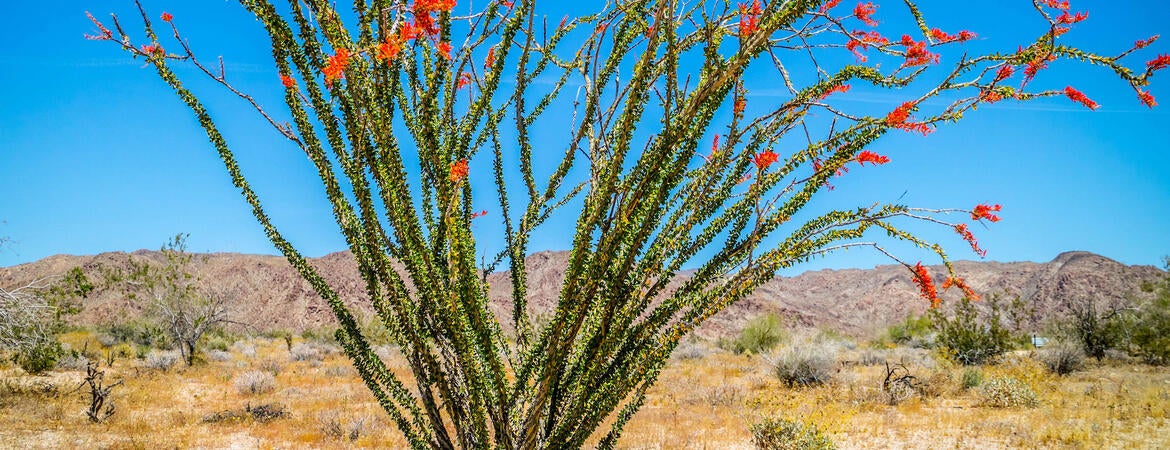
1097	325
972	337
761	334
72	360
271	366
32	315
246	349
307	352
332	426
39	357
914	331
255	382
160	360
938	382
264	413
971	378
872	357
1062	358
1006	392
338	371
219	355
143	334
1149	332
804	365
691	350
784	434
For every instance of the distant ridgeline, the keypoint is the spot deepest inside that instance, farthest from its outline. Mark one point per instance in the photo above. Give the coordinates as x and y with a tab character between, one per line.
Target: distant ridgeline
269	295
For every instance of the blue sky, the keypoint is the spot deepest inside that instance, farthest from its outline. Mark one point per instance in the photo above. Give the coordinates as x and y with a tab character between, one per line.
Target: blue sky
96	154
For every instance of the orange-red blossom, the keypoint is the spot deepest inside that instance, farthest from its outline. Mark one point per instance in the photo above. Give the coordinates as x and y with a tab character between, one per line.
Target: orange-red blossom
898	118
864	12
1080	97
765	158
970	238
985	211
335	66
925	284
867	156
458	171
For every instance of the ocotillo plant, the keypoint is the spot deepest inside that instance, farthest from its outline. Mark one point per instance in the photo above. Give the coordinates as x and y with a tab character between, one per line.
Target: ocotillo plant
393	100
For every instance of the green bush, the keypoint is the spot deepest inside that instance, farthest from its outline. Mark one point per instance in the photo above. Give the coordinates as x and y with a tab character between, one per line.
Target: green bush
972	378
1007	392
1149	333
970	336
39	357
784	434
914	331
139	333
761	334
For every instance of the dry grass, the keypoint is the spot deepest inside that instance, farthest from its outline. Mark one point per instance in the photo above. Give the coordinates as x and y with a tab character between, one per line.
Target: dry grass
704	402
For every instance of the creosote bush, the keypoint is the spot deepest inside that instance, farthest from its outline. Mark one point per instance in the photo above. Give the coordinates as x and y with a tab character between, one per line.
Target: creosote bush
1006	392
420	119
1062	358
971	336
761	334
775	433
804	364
255	382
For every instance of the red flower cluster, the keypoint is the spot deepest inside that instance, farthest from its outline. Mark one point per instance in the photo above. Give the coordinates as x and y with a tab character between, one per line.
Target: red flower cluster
990	96
926	285
1057	4
388	50
1080	97
970	238
478	214
1036	65
864	39
458	171
984	211
422	14
167	17
1146	98
106	33
335	66
490	60
842	89
288	81
899	118
916	53
749	18
1067	19
942	37
1145	42
829	5
764	159
739	105
1159	63
962	285
864	12
1004	73
464	80
444	50
153	50
867	156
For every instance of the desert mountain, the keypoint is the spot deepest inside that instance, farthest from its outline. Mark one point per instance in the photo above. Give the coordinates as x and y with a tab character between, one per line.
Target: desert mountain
269	294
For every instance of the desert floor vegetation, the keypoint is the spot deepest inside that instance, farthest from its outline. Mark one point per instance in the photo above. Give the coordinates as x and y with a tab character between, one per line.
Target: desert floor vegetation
708	399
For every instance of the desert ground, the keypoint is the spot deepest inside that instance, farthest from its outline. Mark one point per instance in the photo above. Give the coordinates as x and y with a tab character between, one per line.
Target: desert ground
269	392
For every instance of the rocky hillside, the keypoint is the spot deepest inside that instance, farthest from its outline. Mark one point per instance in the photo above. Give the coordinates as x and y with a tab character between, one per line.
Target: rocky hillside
268	294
